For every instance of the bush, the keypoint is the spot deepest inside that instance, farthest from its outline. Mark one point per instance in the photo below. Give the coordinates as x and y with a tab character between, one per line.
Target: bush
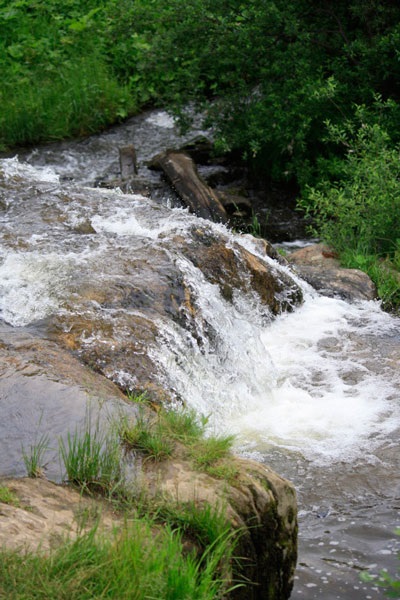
361	211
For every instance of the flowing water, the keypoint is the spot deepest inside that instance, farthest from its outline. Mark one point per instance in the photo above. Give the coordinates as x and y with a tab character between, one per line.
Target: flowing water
313	393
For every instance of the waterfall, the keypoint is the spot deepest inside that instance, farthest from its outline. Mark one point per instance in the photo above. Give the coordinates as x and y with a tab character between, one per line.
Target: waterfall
313	392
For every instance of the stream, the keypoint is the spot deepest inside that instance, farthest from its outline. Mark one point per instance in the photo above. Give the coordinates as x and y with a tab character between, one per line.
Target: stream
314	393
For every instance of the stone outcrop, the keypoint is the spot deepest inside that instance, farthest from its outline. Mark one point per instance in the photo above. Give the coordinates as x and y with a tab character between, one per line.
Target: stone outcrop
46	393
46	514
260	505
318	265
114	323
46	390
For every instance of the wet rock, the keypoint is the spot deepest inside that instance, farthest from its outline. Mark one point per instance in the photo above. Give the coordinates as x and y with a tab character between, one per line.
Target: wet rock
46	393
318	265
84	228
233	267
114	324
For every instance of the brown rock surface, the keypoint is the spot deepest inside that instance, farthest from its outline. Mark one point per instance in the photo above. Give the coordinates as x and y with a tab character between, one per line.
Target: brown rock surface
260	503
47	514
114	323
318	265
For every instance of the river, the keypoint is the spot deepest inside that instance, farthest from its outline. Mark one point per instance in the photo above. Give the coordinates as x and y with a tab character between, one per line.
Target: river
313	393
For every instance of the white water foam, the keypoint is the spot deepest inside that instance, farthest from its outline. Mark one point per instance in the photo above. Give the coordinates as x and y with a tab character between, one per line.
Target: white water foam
161	119
303	382
11	168
124	222
311	381
32	285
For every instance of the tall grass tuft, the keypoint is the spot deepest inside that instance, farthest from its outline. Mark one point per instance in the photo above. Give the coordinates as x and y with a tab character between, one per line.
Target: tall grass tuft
146	435
34	457
159	435
92	459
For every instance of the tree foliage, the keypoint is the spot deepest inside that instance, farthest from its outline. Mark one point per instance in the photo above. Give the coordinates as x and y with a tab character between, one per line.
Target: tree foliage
282	85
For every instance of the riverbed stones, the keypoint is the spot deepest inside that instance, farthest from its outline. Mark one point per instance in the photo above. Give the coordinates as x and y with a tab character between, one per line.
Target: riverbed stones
318	265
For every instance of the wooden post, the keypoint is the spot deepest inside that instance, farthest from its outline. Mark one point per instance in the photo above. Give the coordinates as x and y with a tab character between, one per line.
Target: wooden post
128	162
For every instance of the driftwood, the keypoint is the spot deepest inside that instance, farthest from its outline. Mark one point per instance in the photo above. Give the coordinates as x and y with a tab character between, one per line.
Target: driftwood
192	190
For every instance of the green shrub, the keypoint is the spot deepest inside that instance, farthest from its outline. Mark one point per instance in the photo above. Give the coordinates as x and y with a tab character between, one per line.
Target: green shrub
359	215
362	210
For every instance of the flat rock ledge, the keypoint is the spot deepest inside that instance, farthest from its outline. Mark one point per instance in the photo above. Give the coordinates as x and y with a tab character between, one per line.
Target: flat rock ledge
259	503
318	265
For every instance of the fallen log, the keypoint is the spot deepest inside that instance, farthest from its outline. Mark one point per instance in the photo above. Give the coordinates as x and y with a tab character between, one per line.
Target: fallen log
192	190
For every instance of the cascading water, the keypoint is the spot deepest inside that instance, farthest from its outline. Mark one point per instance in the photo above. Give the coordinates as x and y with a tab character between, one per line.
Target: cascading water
314	393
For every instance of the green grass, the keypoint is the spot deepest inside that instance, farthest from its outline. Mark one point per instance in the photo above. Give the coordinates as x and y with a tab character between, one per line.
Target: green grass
92	459
146	435
34	457
183	425
213	456
141	562
385	273
7	496
79	99
159	435
204	524
165	550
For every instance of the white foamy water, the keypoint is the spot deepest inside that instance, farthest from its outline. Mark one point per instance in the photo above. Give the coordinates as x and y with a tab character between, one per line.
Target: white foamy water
320	383
308	381
161	119
33	285
311	381
124	222
13	168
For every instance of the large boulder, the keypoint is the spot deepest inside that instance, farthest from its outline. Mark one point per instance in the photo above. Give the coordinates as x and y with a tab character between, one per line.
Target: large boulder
47	391
114	323
259	503
318	265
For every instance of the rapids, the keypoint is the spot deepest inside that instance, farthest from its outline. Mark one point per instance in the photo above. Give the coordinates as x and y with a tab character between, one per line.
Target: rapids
314	393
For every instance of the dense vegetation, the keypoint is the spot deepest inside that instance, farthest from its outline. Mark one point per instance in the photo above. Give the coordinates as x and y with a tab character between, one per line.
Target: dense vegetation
306	91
